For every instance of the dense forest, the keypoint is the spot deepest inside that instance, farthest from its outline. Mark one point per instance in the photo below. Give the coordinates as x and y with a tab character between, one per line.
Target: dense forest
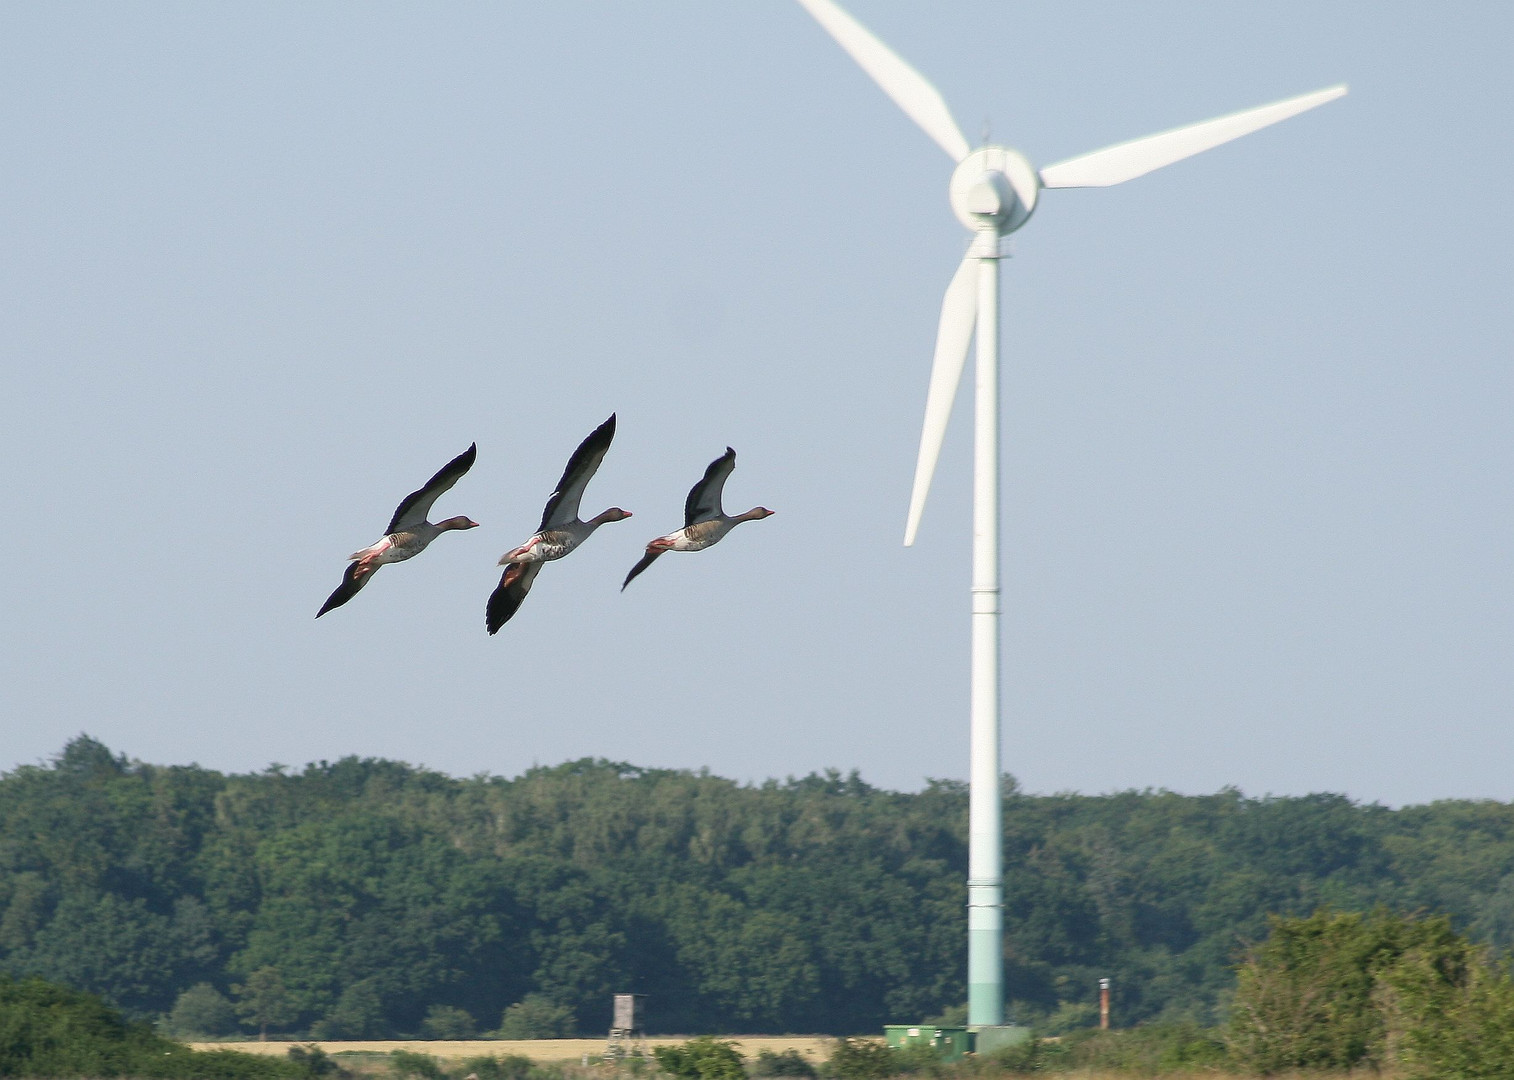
364	898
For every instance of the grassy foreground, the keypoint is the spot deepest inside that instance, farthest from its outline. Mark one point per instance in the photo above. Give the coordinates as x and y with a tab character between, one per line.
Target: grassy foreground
814	1048
562	1059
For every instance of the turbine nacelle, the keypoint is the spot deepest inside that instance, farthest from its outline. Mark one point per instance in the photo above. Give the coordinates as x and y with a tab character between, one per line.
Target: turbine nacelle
994	188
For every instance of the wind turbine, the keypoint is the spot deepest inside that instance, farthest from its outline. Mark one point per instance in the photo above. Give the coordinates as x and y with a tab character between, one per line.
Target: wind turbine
994	190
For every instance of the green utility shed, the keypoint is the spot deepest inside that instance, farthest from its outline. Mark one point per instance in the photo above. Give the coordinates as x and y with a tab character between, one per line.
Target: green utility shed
952	1043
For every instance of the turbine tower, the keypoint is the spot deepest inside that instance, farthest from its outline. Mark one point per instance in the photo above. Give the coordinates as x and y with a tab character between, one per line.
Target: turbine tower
993	191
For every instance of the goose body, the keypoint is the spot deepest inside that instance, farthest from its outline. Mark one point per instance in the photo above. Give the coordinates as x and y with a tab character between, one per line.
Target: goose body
408	534
560	531
705	522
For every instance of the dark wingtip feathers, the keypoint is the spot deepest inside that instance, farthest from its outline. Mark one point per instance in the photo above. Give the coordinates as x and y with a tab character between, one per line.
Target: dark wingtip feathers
495	615
351	583
646	561
508	595
457	466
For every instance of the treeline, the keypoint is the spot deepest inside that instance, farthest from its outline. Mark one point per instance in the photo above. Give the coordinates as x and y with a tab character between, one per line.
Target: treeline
365	898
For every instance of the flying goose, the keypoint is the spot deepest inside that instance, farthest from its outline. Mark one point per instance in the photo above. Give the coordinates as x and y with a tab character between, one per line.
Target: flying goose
560	531
705	524
408	534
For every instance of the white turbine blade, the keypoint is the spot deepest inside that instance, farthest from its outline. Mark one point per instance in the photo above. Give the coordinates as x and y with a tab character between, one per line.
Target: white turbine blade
958	313
1127	160
921	101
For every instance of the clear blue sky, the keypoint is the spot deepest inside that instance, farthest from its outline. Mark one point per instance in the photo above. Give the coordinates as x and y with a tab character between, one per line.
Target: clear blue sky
267	267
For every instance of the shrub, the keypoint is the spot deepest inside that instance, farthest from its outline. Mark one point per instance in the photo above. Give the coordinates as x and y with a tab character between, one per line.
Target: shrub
505	1067
204	1011
860	1059
537	1016
1027	1057
1305	998
408	1063
448	1022
788	1063
951	1016
1449	1020
47	1030
1150	1049
703	1058
1338	990
187	1064
917	1058
313	1062
1069	1016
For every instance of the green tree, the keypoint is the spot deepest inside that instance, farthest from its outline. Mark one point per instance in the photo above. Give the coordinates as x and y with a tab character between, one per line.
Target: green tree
1494	921
537	1017
357	1014
1449	1014
755	965
264	1001
1309	996
49	1031
203	1011
361	908
448	1022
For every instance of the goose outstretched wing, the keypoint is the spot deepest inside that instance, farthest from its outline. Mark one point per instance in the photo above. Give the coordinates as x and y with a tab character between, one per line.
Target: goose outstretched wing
417	505
562	507
703	503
